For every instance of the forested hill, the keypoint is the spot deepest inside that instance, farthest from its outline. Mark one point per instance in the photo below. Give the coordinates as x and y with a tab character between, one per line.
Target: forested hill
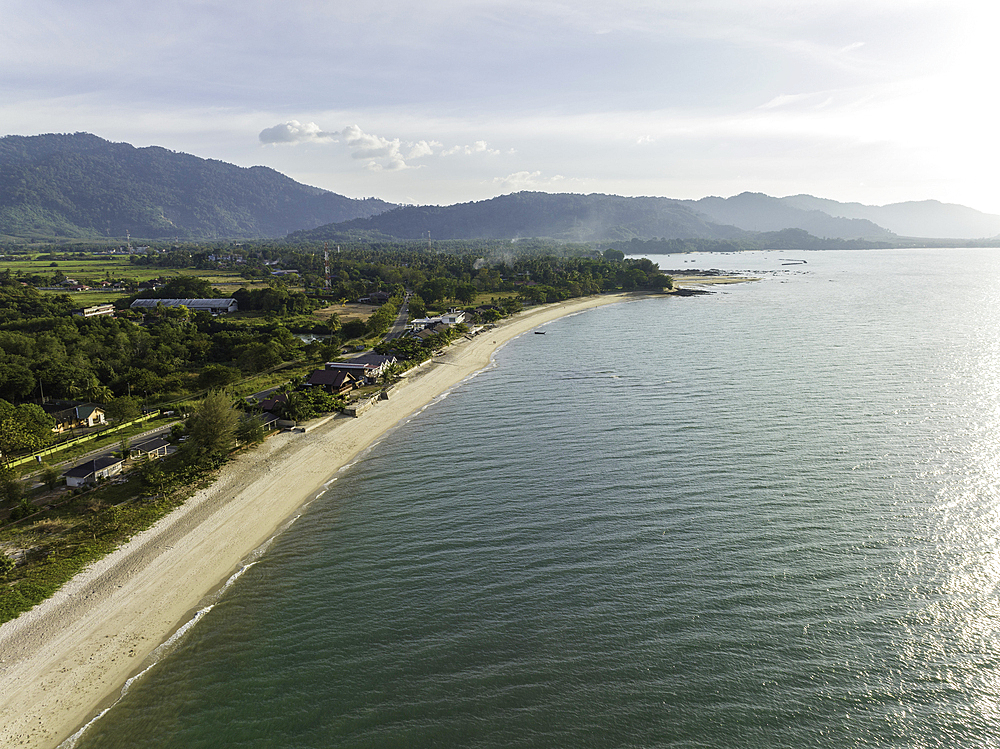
560	216
80	185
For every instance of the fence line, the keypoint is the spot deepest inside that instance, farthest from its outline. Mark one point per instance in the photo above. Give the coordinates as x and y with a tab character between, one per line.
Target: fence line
80	440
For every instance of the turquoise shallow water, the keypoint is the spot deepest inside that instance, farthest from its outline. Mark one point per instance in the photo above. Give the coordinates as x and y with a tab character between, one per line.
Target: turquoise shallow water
765	517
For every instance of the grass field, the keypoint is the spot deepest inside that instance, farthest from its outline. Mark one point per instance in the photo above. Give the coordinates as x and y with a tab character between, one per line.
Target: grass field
347	312
92	269
98	267
484	297
117	265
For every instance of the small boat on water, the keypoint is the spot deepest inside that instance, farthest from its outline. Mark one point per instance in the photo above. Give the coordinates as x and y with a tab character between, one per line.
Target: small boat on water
539	332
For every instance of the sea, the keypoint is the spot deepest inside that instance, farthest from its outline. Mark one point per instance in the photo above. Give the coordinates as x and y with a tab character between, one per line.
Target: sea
768	516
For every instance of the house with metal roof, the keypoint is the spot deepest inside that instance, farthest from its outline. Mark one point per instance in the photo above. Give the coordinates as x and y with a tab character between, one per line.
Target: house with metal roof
94	470
213	306
97	310
268	420
155	447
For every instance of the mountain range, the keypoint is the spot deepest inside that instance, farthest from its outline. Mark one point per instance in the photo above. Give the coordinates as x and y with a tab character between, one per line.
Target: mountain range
560	216
80	185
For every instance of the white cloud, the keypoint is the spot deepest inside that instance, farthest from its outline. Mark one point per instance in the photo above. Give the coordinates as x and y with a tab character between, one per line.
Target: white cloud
369	146
480	146
292	132
422	148
383	153
525	180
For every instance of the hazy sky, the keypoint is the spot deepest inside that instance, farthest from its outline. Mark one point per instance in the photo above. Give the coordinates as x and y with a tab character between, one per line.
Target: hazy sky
455	100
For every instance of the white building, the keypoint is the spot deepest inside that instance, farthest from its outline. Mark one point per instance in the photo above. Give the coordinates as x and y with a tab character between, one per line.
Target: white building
93	470
97	310
451	317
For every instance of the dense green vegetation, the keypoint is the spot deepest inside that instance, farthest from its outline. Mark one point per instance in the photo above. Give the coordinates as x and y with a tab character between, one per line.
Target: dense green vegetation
166	354
57	542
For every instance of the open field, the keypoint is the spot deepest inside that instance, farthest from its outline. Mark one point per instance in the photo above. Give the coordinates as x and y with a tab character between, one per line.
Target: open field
484	297
86	265
90	270
94	267
347	312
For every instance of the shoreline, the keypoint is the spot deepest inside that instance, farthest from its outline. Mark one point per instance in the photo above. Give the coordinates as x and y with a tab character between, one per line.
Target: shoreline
65	661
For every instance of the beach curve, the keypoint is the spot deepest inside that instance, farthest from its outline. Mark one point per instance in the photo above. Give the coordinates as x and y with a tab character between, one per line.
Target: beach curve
66	660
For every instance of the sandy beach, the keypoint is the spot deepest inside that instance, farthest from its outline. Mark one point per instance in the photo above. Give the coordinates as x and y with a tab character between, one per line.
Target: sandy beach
68	658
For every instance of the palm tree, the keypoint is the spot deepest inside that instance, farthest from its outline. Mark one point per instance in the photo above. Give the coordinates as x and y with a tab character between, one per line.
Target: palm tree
392	373
99	393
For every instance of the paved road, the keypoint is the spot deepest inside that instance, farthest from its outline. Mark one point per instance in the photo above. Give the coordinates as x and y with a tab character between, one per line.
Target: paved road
94	454
399	326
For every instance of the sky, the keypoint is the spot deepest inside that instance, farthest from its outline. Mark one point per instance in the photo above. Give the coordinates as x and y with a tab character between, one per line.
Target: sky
874	101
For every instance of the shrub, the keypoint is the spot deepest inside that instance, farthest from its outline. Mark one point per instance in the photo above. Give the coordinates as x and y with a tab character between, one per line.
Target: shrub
23	509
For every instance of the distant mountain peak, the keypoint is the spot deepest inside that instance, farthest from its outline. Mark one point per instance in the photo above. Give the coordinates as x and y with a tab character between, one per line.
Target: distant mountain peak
755	211
916	218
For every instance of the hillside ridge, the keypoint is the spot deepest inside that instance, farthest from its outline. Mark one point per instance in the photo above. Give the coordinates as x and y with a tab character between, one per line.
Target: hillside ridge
80	185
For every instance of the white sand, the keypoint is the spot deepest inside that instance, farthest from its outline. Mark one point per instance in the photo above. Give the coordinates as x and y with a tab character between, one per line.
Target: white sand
69	657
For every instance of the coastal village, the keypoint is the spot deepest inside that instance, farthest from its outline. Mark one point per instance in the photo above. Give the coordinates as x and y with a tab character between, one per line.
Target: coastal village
369	376
356	381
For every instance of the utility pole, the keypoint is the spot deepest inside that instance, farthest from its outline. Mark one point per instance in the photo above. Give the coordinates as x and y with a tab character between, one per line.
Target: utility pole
326	266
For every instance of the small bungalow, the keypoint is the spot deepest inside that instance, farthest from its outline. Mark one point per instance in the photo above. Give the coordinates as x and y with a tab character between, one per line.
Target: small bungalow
151	448
93	470
274	402
75	417
90	415
376	297
268	420
380	362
